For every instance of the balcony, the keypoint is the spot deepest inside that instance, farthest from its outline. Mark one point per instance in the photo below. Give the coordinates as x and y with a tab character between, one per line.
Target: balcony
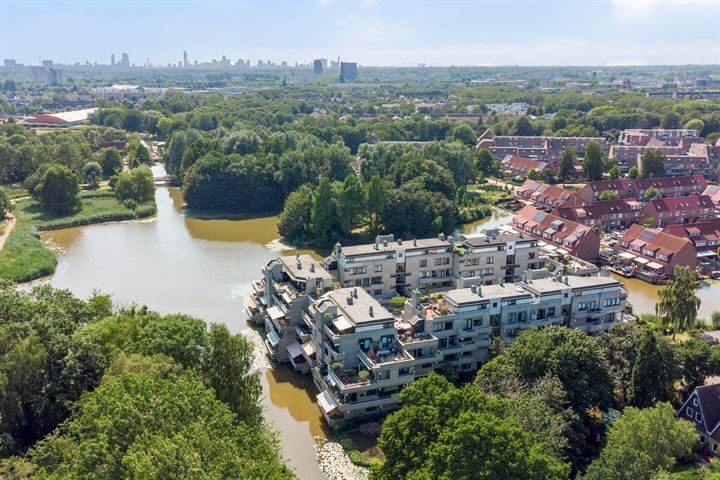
303	332
384	357
417	340
334	337
336	355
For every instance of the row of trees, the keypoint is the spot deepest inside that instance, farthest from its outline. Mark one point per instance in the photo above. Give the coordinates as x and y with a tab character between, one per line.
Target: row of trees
90	391
540	400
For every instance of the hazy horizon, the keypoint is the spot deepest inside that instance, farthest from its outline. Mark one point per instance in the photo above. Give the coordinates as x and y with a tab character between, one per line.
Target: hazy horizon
396	33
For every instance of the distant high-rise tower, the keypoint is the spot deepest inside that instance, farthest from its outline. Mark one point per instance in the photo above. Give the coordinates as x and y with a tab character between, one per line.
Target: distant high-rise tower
348	71
55	77
185	62
125	62
112	60
317	67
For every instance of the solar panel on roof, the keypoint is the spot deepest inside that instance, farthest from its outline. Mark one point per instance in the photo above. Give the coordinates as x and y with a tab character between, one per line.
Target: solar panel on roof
540	216
647	236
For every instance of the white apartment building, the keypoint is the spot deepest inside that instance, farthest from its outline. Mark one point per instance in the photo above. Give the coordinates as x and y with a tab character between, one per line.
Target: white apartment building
364	356
490	257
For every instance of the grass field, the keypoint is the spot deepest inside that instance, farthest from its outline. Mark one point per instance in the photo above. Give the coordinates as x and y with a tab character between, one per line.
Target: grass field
25	257
14	191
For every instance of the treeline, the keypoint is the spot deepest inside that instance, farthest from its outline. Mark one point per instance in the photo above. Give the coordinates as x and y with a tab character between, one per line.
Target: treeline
91	391
540	401
403	189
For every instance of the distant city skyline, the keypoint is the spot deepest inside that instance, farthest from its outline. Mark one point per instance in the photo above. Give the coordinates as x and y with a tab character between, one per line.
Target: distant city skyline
369	32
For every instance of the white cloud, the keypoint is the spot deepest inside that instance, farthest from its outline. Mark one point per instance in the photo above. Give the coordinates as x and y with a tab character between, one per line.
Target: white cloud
635	9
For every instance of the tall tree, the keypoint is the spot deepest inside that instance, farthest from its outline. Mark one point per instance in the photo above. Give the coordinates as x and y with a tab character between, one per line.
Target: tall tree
566	164
593	162
294	221
5	204
653	164
110	161
678	300
351	204
324	214
58	190
653	373
375	199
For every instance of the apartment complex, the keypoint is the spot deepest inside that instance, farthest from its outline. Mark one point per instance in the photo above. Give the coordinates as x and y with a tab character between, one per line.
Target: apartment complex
365	356
543	195
494	257
544	149
558	234
621	188
391	267
666	136
286	288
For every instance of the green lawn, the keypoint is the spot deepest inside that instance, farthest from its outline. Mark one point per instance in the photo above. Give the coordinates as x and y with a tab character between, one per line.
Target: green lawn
25	257
14	191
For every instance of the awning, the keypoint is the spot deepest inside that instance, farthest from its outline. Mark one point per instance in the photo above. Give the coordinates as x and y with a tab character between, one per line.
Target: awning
326	402
273	338
654	266
293	350
626	255
275	313
541	244
309	348
251	303
341	323
563	251
550	248
638	243
641	261
287	298
403	326
706	253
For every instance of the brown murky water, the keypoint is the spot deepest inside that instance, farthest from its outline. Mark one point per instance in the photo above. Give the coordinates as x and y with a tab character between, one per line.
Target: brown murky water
173	263
644	296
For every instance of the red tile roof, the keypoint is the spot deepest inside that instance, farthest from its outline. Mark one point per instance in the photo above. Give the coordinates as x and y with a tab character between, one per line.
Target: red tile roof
673	204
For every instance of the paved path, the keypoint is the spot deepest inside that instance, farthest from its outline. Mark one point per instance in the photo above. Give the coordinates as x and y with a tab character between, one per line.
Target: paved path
8	228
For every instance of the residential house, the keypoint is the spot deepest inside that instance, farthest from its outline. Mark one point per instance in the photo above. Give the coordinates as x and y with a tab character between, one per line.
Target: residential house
605	215
661	212
543	149
702	408
704	235
670	186
621	188
515	165
668	136
713	191
492	257
654	253
543	195
561	235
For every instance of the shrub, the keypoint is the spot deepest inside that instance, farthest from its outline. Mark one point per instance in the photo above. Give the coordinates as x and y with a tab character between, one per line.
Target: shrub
398	302
137	185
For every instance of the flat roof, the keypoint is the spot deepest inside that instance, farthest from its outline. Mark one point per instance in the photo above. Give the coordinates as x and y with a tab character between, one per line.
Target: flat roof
464	296
358	312
553	284
484	239
299	266
394	246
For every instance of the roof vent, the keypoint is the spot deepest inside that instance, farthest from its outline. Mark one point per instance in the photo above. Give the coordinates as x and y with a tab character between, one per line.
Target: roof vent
354	292
375	246
350	300
450	238
312	267
414	243
385	243
441	236
473	288
399	241
370	311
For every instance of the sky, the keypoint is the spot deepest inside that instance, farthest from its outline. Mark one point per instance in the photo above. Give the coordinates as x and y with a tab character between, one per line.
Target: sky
370	32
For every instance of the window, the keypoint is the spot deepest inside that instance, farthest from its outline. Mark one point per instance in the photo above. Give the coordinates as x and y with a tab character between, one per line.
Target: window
365	344
531	255
698	417
512	317
477	322
377	292
449	325
551	311
423	263
376	280
437	327
695	402
468	324
378	268
490	260
690	412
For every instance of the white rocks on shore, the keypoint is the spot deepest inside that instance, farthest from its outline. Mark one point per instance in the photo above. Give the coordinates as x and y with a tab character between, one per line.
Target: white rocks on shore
335	463
260	360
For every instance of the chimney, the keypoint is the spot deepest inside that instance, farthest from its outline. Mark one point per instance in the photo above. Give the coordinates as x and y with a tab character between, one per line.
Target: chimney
354	292
450	238
441	236
385	243
414	243
473	288
350	299
338	248
375	246
370	310
399	241
479	291
312	267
